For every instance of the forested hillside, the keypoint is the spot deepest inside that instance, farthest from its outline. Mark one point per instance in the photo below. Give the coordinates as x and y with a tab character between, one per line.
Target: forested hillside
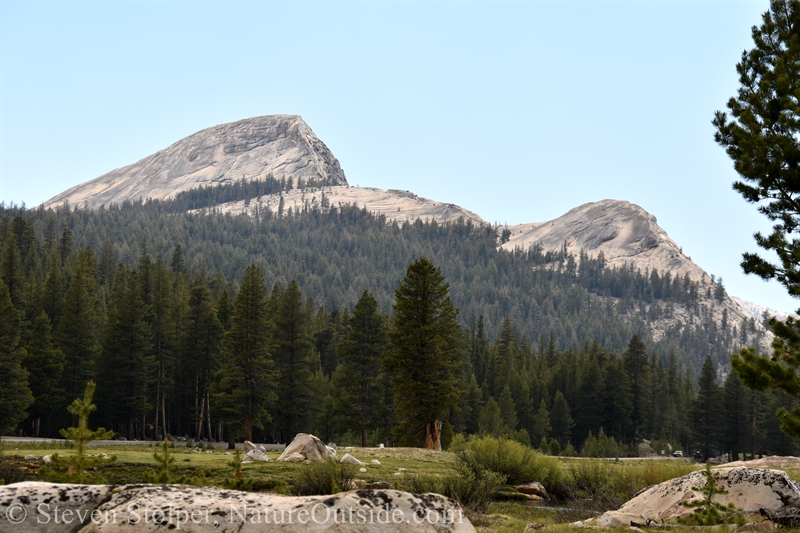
142	298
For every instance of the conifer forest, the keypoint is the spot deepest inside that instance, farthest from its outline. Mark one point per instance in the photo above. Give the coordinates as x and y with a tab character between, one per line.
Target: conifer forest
227	327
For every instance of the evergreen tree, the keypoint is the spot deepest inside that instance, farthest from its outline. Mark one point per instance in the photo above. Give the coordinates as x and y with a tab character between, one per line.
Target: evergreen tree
705	412
202	342
490	421
45	365
423	357
360	354
246	381
11	271
53	295
76	331
635	361
541	424
508	411
15	394
561	420
735	416
295	361
127	355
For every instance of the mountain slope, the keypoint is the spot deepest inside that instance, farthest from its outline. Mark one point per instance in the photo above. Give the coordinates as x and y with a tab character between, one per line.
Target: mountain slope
395	205
279	145
284	147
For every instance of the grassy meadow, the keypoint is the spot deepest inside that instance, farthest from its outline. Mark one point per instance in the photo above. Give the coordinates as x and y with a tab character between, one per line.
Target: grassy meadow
581	488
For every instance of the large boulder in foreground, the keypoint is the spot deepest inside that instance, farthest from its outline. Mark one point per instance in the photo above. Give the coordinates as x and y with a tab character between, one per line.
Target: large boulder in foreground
309	446
750	489
150	508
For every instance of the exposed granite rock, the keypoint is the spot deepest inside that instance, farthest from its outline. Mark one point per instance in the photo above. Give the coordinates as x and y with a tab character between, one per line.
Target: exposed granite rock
750	489
308	446
281	145
395	205
150	508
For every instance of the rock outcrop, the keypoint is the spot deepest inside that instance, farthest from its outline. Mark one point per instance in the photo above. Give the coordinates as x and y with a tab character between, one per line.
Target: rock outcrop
279	145
750	489
395	205
307	446
34	507
626	234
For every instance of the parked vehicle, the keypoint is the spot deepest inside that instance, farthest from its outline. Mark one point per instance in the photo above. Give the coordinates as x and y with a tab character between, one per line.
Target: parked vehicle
677	453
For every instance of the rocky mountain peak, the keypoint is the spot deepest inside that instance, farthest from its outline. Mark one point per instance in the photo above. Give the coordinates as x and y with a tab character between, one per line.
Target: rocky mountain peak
281	145
623	231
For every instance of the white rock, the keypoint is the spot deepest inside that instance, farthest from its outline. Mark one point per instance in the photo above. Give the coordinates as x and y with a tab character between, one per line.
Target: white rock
750	489
331	450
255	455
293	458
401	469
309	446
30	457
362	470
225	511
347	458
281	145
249	446
47	459
375	462
380	445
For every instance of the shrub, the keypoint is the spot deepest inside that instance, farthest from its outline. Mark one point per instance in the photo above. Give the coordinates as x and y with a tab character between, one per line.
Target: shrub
512	460
325	477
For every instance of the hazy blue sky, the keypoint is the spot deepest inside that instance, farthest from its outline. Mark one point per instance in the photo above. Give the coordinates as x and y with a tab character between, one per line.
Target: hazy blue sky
518	111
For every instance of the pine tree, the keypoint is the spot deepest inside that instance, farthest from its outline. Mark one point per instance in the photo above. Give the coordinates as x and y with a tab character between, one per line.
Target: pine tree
635	361
706	411
561	420
45	365
360	354
80	435
53	295
127	356
508	410
423	357
11	271
490	421
541	424
15	394
735	416
246	382
76	333
201	346
295	361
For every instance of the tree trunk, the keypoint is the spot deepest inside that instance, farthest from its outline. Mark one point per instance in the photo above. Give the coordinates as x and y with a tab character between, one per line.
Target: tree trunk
199	428
36	426
433	435
208	416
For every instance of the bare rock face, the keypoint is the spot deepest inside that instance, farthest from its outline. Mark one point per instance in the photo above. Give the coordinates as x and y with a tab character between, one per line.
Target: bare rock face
281	145
395	205
626	234
151	508
750	489
622	231
307	446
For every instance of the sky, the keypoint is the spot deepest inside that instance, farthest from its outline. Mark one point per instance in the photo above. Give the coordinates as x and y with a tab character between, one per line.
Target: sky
518	111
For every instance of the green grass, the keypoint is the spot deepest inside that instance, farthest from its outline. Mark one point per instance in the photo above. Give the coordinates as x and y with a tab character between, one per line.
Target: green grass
584	486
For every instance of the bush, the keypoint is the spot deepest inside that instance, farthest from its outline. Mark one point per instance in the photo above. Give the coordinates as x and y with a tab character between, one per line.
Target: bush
612	483
472	489
515	462
325	477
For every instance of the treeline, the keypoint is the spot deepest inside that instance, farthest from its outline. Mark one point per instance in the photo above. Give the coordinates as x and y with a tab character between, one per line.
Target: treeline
335	253
181	351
